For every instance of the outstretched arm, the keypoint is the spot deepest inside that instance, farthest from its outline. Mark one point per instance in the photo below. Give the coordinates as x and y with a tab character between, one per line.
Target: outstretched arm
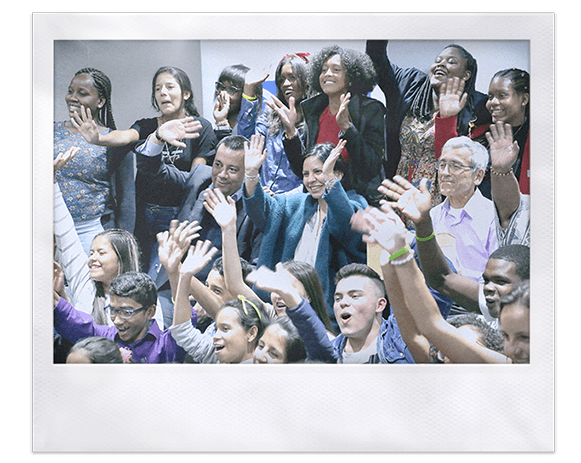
197	258
503	154
415	204
88	128
420	302
224	212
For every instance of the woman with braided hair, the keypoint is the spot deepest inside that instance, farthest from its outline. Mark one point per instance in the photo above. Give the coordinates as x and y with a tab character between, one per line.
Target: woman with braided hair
97	183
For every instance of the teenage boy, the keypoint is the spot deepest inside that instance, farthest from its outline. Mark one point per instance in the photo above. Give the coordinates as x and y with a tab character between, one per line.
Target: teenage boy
133	305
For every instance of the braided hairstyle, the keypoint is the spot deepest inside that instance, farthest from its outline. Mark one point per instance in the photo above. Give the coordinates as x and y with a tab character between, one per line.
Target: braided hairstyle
422	105
102	84
520	81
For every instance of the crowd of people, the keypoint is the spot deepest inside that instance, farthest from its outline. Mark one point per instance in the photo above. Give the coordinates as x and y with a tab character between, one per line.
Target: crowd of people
251	238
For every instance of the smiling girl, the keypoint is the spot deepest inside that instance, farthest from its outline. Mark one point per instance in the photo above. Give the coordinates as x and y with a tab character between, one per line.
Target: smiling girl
96	178
508	103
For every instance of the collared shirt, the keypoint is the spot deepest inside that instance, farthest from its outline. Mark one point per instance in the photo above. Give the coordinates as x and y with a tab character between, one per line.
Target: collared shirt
155	347
518	230
467	237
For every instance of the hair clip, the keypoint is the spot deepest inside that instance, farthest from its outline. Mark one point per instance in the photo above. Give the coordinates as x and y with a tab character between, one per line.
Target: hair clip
244	300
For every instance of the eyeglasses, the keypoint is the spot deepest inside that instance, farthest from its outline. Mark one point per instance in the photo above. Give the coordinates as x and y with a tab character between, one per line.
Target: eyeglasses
232	90
124	314
453	166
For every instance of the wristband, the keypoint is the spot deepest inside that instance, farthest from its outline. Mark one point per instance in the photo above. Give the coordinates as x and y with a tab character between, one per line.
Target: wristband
501	174
403	261
161	140
399	253
249	98
329	184
251	177
427	238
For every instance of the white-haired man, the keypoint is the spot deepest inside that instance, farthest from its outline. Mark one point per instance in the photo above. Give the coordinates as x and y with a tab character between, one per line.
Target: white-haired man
464	223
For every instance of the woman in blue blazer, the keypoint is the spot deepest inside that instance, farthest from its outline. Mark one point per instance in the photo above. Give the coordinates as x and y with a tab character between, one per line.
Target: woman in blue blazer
312	227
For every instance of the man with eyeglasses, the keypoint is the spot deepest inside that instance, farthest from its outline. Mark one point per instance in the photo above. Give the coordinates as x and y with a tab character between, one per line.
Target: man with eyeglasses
132	306
464	223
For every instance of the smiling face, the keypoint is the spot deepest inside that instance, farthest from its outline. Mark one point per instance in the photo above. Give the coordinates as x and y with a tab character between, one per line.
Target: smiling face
279	305
500	279
103	261
313	177
333	78
357	306
228	170
82	91
515	329
231	341
505	104
169	97
272	346
135	327
449	63
458	186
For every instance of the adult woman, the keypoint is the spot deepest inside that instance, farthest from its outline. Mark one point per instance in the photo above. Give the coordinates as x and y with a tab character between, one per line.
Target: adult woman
412	100
341	111
508	102
96	183
290	78
312	227
229	107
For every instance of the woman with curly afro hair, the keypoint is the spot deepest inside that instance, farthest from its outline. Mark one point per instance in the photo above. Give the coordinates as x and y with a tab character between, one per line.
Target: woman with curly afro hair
340	110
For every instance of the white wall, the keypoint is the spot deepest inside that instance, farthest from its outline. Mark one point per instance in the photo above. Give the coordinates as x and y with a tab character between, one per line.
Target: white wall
131	64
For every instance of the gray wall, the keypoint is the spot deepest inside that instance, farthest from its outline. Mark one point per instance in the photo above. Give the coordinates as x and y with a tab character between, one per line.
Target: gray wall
131	64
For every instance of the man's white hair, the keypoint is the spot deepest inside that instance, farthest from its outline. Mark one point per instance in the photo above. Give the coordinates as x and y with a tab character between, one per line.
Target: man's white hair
479	158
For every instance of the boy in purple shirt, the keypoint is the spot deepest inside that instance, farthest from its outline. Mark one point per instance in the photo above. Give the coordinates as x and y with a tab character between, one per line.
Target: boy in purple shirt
133	304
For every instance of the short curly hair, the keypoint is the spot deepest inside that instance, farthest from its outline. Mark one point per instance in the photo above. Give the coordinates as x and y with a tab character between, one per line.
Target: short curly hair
358	67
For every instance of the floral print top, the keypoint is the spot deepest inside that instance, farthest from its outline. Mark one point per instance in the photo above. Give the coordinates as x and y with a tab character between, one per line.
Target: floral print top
418	156
84	180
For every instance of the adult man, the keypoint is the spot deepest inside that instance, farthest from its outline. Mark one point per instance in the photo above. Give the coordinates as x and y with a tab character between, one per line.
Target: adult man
225	174
504	270
464	223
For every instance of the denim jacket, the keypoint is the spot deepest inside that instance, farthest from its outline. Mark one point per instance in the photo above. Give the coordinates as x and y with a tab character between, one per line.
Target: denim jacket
390	346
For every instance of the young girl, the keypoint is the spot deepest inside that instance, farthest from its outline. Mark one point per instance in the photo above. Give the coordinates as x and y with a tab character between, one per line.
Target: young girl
285	114
96	178
239	323
508	102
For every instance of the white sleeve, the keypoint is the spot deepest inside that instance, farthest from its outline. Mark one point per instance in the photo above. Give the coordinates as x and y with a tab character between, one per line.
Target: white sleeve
149	149
191	339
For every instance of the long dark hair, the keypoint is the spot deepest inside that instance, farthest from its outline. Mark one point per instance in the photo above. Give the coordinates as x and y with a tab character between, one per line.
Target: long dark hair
185	85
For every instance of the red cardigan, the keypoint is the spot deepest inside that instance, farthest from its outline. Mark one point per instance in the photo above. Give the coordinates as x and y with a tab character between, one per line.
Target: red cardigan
446	129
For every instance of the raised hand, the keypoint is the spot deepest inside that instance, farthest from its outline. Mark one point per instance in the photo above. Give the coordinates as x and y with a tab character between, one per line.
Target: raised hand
329	164
342	117
63	158
254	155
86	125
198	257
279	282
174	243
222	209
503	150
415	204
381	226
176	130
287	115
253	78
452	97
58	281
221	107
